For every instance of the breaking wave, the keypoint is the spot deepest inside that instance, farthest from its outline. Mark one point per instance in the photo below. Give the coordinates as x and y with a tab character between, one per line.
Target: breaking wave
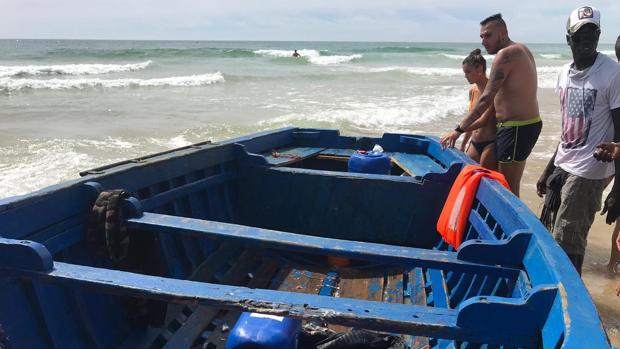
70	69
8	84
313	56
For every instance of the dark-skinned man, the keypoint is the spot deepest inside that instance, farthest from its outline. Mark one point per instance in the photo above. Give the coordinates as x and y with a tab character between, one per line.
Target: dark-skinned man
573	182
512	90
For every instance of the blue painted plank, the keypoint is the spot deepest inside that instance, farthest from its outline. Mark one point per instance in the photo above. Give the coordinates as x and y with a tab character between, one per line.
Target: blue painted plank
290	155
439	293
343	153
417	292
16	220
21	317
416	320
396	255
416	164
168	196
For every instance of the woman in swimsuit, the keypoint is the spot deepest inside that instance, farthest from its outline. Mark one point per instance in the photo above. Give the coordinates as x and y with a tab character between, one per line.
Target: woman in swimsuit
481	133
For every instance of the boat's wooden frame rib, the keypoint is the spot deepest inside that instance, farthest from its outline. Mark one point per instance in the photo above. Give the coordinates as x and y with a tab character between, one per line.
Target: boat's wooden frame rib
407	257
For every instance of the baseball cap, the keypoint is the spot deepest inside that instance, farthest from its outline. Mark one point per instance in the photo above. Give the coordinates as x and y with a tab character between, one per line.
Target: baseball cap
581	16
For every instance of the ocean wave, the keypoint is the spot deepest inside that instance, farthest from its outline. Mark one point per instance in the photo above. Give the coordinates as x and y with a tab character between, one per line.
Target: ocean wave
548	76
9	84
414	70
313	56
287	53
451	56
70	69
610	53
152	52
386	114
398	49
551	55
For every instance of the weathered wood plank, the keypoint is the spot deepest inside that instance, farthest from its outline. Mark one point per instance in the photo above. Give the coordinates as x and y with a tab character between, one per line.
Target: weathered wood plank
202	316
290	155
393	291
416	164
417	291
387	317
406	257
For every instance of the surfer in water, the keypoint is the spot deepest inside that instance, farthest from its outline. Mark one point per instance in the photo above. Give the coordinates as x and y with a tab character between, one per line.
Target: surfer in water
296	54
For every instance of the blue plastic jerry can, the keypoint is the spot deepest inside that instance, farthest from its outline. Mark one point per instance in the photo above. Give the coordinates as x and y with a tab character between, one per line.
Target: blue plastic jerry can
370	162
261	331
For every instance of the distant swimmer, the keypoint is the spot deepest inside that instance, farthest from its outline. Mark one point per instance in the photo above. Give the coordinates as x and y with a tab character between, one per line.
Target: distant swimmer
296	54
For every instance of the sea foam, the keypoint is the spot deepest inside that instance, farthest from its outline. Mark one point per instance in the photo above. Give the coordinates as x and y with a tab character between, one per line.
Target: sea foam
70	69
313	56
9	84
386	114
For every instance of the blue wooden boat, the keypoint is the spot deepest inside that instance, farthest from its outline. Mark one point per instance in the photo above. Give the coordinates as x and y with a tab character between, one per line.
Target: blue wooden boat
253	225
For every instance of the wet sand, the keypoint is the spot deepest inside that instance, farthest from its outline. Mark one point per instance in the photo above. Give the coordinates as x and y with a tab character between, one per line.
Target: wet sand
600	285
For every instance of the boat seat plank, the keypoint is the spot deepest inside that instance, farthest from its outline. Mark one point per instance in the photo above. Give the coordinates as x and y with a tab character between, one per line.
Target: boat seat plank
458	324
290	155
415	164
407	257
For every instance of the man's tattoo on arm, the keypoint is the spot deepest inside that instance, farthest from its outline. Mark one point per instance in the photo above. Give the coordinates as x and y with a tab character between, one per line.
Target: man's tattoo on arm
498	75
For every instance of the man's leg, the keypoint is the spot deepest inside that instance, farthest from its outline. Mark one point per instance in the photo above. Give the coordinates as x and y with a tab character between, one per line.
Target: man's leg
581	198
513	171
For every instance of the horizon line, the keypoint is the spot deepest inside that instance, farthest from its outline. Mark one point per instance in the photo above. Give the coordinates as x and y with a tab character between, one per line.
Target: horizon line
261	40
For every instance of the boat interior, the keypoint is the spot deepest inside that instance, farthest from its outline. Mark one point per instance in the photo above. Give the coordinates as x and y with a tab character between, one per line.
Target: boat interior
273	223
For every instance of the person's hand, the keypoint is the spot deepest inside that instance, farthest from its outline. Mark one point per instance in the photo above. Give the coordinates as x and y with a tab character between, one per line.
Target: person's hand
448	140
607	152
611	207
541	185
618	242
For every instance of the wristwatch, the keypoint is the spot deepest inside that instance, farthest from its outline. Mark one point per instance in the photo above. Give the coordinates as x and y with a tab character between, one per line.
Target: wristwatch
459	129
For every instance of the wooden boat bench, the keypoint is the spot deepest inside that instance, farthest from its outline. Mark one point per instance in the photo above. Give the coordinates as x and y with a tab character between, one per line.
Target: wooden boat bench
290	155
411	164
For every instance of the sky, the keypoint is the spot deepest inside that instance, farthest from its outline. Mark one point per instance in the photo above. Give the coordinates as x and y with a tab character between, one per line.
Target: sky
530	21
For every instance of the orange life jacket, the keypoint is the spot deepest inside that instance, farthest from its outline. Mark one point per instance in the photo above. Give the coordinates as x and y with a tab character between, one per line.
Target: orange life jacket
455	213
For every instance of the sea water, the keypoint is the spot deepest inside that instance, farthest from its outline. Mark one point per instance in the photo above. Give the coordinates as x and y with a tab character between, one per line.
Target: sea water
67	106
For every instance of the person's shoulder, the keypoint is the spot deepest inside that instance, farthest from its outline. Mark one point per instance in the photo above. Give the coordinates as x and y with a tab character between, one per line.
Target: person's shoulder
608	63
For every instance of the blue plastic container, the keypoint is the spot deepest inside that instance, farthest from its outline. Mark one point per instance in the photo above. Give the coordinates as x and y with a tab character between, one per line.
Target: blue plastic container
258	331
370	162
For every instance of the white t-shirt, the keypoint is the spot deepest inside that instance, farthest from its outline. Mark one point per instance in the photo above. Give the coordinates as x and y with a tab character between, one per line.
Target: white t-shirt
587	98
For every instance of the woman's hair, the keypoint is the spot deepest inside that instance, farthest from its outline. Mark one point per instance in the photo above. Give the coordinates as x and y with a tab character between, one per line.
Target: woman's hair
476	59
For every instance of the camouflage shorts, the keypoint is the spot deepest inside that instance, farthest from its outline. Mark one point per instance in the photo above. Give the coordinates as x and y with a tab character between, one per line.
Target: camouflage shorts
581	199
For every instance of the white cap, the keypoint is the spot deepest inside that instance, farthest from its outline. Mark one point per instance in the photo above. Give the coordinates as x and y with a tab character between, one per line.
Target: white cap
581	16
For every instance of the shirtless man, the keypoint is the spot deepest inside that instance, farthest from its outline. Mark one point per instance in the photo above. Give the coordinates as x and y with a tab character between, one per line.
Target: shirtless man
512	90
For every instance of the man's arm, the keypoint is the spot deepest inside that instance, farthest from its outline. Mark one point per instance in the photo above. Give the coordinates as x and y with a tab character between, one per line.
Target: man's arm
487	116
612	203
